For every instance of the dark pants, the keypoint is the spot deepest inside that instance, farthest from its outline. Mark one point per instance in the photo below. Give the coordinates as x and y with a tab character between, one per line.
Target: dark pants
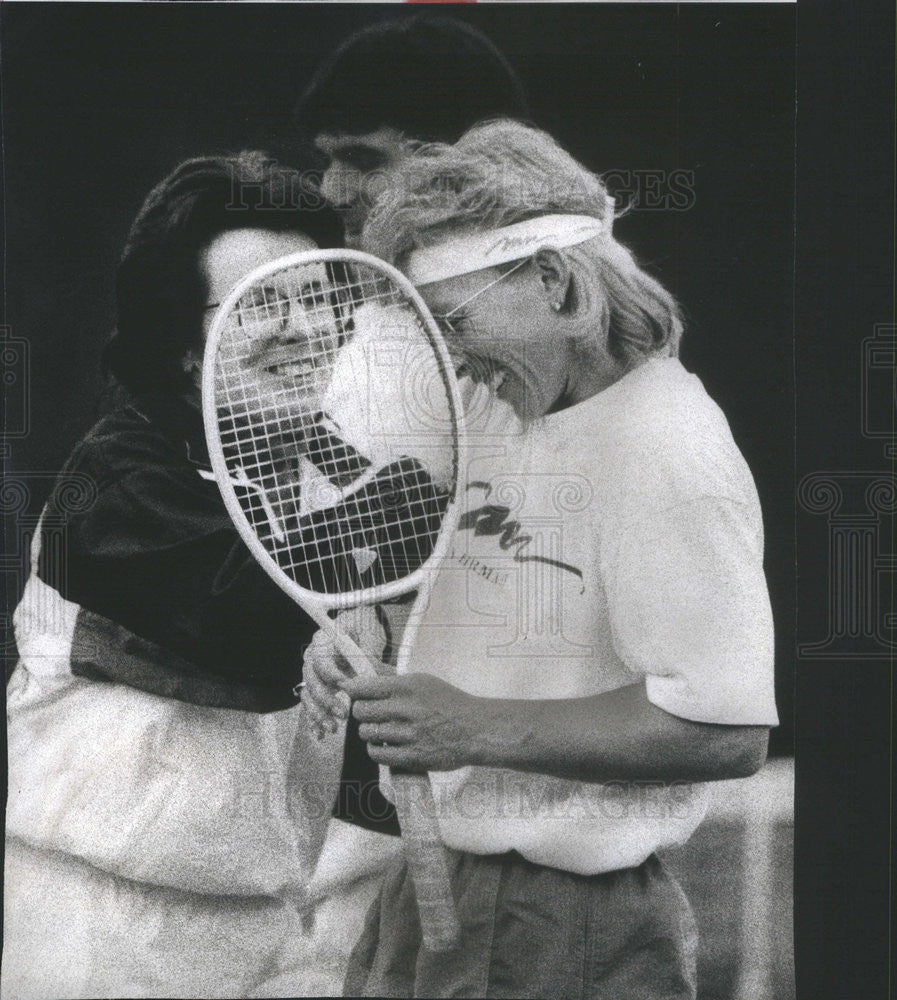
531	931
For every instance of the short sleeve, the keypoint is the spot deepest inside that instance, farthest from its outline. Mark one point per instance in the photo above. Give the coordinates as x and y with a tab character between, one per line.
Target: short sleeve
690	611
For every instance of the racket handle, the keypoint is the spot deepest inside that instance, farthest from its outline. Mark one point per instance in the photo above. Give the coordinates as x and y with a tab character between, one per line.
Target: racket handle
416	810
427	860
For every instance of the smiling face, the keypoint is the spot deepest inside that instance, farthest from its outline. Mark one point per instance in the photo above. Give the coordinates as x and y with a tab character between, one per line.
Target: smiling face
288	333
508	336
284	329
514	327
357	169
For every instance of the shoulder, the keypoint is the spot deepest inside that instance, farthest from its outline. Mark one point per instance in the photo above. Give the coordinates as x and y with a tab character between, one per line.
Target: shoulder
137	436
661	441
139	461
660	400
147	438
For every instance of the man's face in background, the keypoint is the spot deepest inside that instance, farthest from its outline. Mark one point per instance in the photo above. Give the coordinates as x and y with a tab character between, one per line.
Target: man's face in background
358	167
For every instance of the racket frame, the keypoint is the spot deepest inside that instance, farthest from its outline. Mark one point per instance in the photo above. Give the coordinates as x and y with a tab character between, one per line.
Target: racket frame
414	797
419	578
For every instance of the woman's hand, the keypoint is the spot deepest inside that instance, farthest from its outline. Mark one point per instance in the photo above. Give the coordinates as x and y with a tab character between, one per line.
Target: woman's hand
416	721
323	668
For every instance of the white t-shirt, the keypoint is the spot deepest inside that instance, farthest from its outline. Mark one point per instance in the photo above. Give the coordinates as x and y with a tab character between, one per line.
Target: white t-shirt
616	540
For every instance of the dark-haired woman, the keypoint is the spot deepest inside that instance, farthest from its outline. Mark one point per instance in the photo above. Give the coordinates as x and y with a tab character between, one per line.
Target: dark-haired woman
168	805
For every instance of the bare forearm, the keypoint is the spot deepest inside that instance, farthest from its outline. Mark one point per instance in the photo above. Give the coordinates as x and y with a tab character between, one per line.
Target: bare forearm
420	722
618	735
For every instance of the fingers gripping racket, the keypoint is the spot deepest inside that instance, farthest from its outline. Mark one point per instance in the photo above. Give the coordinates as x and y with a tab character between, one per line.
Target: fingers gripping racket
333	421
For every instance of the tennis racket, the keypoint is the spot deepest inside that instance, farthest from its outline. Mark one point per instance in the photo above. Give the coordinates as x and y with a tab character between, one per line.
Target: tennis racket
334	426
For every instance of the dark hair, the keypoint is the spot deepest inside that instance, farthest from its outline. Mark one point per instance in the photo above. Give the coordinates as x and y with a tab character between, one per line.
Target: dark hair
429	77
160	291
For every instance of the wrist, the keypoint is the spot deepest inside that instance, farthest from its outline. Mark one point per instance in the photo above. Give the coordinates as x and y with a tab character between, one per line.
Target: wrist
502	731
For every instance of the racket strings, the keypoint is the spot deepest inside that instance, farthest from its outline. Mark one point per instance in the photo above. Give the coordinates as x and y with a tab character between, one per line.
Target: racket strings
339	468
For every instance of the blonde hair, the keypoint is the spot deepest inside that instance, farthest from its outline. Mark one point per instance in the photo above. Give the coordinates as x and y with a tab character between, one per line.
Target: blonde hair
501	172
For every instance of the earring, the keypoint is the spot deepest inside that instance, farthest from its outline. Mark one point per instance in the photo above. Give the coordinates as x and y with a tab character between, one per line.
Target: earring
557	306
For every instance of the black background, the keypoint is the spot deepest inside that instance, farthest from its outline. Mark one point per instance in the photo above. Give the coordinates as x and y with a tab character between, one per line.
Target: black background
101	101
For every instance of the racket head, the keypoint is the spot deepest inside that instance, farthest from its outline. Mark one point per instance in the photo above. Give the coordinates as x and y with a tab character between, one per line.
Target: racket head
334	426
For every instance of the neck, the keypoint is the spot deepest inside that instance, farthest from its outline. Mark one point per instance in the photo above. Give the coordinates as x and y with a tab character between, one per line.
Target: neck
588	380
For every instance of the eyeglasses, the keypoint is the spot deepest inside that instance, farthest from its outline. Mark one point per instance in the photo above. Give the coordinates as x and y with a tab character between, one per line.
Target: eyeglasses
267	303
446	317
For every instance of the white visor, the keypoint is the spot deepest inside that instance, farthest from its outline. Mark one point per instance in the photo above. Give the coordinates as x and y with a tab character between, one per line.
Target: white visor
463	254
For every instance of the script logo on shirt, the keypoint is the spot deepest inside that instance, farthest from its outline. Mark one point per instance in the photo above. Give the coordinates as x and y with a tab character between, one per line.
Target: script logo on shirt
496	520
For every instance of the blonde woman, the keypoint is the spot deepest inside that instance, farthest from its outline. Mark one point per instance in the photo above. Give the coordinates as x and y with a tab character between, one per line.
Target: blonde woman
599	647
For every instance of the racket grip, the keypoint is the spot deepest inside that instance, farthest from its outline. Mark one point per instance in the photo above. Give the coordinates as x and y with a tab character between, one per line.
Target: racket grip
416	810
427	860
